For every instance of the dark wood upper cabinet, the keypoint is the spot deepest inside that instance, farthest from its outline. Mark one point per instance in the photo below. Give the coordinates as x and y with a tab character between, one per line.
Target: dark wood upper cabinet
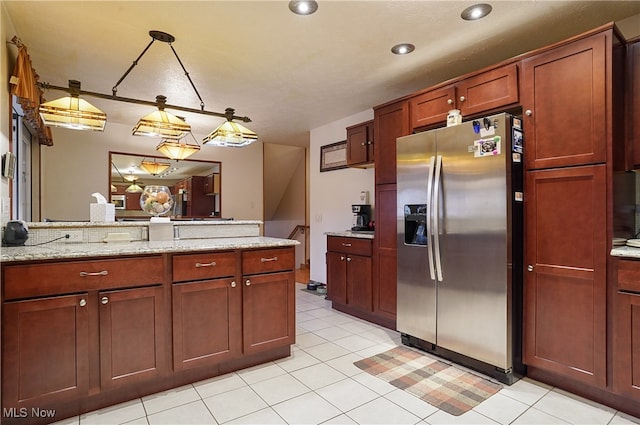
633	101
390	122
564	100
483	92
360	145
432	107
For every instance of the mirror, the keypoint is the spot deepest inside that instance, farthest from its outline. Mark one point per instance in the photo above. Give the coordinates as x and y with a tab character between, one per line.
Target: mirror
195	185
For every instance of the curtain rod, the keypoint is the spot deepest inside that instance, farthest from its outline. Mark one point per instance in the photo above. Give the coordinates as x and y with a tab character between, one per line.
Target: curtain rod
47	86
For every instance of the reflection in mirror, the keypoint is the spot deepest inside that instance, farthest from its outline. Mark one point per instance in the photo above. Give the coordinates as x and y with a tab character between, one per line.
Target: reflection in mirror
195	185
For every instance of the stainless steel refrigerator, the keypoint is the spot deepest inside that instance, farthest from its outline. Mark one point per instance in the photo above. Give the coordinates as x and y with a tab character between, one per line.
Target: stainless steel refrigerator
459	218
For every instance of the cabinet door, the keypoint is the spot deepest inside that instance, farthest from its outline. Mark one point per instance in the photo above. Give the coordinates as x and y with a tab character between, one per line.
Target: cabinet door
268	311
626	345
489	90
565	104
206	322
360	144
385	278
45	352
432	107
359	282
337	277
132	336
565	285
390	122
633	100
132	201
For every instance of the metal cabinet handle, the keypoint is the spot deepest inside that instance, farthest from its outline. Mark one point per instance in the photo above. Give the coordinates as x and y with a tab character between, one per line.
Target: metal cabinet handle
462	98
450	101
348	258
530	268
247	282
342	258
528	112
363	143
266	260
233	284
104	300
346	244
102	273
83	302
211	264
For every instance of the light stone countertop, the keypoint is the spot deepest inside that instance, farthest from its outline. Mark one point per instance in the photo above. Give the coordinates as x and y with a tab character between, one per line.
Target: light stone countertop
625	251
83	250
352	234
133	223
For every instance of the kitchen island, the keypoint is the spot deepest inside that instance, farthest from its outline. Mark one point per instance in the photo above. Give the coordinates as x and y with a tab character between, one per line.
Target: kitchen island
90	324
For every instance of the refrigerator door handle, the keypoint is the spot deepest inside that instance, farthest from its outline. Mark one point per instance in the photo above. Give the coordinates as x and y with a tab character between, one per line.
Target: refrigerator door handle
436	224
432	271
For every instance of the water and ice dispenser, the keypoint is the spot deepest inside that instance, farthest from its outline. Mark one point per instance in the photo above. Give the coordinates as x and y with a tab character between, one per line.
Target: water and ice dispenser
415	224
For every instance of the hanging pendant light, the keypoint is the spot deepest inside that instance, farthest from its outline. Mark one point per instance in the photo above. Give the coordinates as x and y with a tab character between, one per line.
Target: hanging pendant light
154	167
230	134
161	123
133	187
178	149
72	112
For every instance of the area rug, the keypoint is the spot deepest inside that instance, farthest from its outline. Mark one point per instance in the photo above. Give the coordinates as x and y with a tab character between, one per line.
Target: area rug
438	383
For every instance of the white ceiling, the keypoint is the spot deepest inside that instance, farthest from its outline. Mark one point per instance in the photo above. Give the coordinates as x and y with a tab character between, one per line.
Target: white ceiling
288	73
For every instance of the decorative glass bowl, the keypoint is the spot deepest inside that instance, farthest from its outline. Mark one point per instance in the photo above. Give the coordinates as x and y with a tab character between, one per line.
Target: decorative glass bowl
156	200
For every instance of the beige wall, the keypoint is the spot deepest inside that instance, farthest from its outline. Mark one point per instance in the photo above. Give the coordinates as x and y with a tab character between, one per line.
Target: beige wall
78	165
333	192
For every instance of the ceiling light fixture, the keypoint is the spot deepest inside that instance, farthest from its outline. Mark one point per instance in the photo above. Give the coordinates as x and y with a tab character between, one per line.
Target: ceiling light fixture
477	11
161	123
303	7
178	149
155	36
154	167
73	112
230	134
133	187
403	48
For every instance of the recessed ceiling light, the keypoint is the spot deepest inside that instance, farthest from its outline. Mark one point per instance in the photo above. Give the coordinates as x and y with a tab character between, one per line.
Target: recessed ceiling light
303	7
476	11
403	48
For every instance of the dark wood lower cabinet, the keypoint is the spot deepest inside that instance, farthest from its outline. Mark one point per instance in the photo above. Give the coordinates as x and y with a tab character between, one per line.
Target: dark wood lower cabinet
206	322
267	301
213	312
626	345
45	352
132	336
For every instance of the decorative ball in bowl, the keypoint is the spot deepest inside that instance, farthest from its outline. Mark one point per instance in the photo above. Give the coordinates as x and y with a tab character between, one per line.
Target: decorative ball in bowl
156	200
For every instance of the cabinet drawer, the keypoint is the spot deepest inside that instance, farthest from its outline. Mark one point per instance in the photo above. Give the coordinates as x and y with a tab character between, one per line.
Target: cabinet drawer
354	246
629	275
267	260
34	280
204	266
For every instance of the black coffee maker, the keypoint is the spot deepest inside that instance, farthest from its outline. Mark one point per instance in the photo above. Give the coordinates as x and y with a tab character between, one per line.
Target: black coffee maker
361	216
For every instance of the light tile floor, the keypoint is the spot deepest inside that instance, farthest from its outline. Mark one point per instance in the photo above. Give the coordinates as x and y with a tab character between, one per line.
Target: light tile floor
320	384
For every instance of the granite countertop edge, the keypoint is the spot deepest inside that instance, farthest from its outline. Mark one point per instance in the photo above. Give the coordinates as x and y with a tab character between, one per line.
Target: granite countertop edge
625	251
135	223
351	234
85	250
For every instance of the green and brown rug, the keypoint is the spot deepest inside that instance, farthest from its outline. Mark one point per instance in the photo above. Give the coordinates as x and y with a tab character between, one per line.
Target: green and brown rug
440	384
